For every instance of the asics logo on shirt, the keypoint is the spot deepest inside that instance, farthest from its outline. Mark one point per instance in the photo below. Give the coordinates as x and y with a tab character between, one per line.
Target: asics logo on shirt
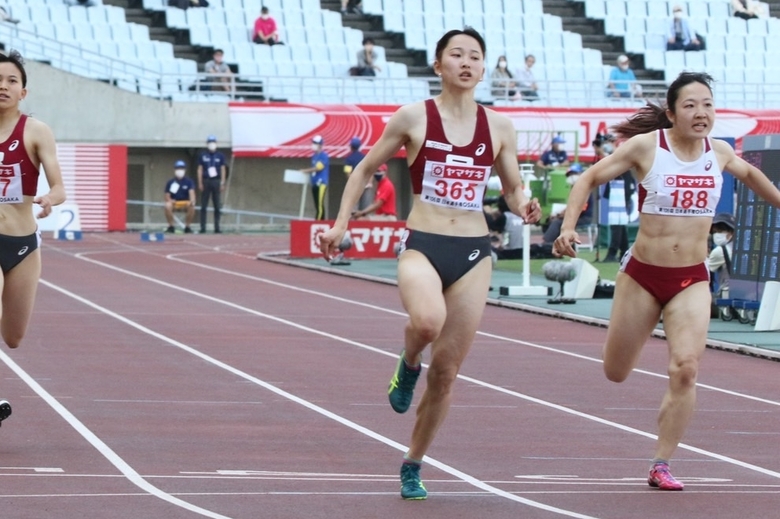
474	255
13	145
480	149
708	165
23	250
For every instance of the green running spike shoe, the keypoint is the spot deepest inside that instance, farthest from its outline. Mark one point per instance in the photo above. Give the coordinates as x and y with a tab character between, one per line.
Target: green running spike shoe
411	486
402	384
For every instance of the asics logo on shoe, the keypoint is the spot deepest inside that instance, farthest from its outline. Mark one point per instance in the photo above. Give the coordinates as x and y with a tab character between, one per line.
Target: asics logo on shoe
23	250
474	255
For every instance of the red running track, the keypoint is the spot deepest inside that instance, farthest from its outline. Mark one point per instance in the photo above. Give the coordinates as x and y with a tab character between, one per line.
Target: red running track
187	379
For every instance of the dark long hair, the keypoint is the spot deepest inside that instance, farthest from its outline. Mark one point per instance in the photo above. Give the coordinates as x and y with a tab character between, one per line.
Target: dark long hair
653	117
15	58
468	31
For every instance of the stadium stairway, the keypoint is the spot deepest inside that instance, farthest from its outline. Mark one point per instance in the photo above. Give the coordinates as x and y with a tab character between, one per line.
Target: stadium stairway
594	37
394	43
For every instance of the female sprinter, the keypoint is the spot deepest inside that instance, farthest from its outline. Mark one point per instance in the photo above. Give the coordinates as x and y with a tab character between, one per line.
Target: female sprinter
25	145
445	265
679	170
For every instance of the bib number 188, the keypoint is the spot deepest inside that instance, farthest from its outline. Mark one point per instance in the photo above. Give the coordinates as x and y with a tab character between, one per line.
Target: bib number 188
688	198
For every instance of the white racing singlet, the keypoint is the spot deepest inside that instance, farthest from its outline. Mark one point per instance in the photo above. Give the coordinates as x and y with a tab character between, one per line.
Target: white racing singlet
676	188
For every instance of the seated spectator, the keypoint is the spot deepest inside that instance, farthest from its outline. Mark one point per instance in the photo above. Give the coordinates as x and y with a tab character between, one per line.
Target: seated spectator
351	6
746	9
506	229
622	81
526	81
555	156
180	196
83	3
723	227
366	60
266	32
680	36
383	206
502	84
222	75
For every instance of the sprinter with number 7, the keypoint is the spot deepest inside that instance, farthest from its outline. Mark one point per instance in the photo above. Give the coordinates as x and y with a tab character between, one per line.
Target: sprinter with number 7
25	145
678	168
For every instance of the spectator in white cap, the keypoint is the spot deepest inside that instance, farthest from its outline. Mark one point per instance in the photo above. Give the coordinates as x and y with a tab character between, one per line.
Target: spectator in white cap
622	81
320	165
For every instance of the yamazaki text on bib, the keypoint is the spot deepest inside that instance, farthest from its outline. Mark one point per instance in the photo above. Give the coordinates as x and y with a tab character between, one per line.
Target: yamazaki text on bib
460	186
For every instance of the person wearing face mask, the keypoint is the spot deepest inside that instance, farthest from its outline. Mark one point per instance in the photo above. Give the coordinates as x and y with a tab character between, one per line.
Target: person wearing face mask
680	36
211	181
266	32
180	196
502	84
723	227
622	80
383	206
320	165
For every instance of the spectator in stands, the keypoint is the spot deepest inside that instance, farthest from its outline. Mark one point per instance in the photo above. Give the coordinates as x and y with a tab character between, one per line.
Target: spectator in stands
186	4
526	81
502	82
350	163
221	78
180	196
746	9
212	172
555	156
266	32
84	3
680	35
320	166
351	6
366	60
603	145
383	206
622	80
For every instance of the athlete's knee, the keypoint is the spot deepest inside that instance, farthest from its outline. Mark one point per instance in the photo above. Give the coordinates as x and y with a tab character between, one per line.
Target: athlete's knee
683	372
426	328
441	378
615	373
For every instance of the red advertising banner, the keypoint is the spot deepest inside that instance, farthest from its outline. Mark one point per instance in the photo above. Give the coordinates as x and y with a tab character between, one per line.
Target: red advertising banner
369	239
286	129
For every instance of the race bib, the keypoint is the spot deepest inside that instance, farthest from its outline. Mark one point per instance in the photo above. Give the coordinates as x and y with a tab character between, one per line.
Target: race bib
212	172
10	184
688	195
455	185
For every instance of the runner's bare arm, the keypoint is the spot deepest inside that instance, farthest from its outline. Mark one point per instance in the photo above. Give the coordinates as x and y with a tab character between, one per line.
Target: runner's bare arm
46	151
508	171
753	177
394	136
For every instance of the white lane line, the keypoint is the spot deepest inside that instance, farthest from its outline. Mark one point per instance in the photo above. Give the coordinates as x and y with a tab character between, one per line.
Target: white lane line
99	445
494	387
175	257
270	387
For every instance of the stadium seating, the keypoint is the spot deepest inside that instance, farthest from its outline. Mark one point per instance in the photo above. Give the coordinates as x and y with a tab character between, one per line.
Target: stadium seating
99	43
